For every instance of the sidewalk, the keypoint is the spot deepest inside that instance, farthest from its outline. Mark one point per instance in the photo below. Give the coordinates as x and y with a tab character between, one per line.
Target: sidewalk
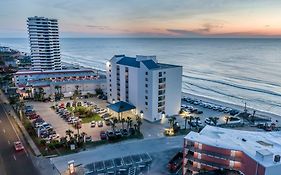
18	122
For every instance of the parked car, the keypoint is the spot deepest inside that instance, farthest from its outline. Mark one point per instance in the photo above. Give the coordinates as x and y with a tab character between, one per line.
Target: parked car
88	139
209	121
118	134
93	124
110	134
124	132
100	124
103	135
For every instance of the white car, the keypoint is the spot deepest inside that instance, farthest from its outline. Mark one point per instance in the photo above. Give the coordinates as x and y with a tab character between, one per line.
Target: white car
93	124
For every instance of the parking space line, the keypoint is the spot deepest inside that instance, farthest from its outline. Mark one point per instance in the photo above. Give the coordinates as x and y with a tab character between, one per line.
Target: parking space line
4	131
14	157
9	142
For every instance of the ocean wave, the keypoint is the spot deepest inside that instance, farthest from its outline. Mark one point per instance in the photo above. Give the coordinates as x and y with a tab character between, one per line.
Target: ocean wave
253	89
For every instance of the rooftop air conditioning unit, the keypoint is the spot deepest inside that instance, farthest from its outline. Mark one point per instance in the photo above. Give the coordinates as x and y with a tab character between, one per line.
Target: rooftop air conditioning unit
277	158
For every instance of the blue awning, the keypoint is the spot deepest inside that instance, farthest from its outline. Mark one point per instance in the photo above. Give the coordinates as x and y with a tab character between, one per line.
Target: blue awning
121	106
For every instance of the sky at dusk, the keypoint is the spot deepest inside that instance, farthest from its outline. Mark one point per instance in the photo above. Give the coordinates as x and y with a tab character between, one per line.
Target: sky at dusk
147	18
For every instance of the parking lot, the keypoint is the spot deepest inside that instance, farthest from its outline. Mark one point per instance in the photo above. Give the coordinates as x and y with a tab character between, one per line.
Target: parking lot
128	165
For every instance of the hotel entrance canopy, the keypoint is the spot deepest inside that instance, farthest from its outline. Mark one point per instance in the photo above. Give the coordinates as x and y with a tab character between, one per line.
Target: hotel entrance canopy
121	106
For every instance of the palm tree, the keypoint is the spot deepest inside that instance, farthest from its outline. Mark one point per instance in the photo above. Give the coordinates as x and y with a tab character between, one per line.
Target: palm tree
139	123
190	120
41	94
69	133
172	120
215	120
28	91
129	122
227	118
197	120
135	126
123	120
113	123
186	117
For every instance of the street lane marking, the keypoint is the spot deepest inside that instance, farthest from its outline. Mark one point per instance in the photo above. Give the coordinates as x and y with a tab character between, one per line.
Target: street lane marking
4	130
0	121
14	157
13	128
9	142
11	123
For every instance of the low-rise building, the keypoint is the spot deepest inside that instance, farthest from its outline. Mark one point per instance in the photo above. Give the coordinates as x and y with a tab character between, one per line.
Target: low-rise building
64	81
153	88
249	152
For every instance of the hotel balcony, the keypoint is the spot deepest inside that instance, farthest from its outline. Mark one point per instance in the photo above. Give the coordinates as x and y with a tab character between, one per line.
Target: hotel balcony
207	163
214	154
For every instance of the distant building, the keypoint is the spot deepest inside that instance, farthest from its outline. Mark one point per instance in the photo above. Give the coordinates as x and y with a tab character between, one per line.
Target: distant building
251	153
44	43
153	88
86	79
5	49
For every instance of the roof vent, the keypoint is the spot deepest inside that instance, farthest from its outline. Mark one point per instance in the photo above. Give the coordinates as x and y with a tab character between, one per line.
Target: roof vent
244	140
277	158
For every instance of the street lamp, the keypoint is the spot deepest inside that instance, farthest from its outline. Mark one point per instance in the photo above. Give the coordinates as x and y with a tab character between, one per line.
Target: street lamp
163	115
141	114
71	167
113	101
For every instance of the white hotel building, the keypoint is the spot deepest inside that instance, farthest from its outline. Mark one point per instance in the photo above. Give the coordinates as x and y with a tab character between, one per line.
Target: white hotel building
44	43
153	88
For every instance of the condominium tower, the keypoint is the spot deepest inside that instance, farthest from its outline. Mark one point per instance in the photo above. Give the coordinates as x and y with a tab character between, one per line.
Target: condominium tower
153	88
44	43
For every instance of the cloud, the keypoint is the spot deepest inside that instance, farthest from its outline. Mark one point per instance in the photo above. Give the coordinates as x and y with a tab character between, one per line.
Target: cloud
205	29
99	27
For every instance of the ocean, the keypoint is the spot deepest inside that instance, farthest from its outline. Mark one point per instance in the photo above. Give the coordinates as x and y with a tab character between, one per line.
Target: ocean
230	70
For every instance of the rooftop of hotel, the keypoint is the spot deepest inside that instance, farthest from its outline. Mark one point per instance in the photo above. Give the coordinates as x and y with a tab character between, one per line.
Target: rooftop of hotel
267	144
52	71
150	62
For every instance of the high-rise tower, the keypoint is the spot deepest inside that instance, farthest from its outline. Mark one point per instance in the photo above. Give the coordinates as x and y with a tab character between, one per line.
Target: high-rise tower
44	43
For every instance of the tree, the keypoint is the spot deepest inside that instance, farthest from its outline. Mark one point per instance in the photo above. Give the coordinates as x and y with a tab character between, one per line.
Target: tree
197	120
172	120
129	122
76	93
99	91
69	133
113	123
28	91
186	117
123	120
227	118
190	120
135	126
215	120
139	123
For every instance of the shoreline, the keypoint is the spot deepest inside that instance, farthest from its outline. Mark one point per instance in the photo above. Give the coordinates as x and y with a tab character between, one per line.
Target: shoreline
259	112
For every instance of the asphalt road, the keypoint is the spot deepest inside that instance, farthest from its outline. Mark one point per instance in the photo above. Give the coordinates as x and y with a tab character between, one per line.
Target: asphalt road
12	162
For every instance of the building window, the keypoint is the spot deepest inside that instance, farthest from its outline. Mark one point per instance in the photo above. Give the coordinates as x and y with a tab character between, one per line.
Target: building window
146	103
146	79
160	74
146	73
200	145
146	97
146	85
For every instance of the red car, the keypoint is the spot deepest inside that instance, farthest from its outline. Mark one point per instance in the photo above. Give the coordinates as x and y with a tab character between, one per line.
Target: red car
18	146
103	135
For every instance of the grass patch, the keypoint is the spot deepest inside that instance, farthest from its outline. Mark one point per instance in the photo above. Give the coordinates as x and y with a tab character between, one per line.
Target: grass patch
93	117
